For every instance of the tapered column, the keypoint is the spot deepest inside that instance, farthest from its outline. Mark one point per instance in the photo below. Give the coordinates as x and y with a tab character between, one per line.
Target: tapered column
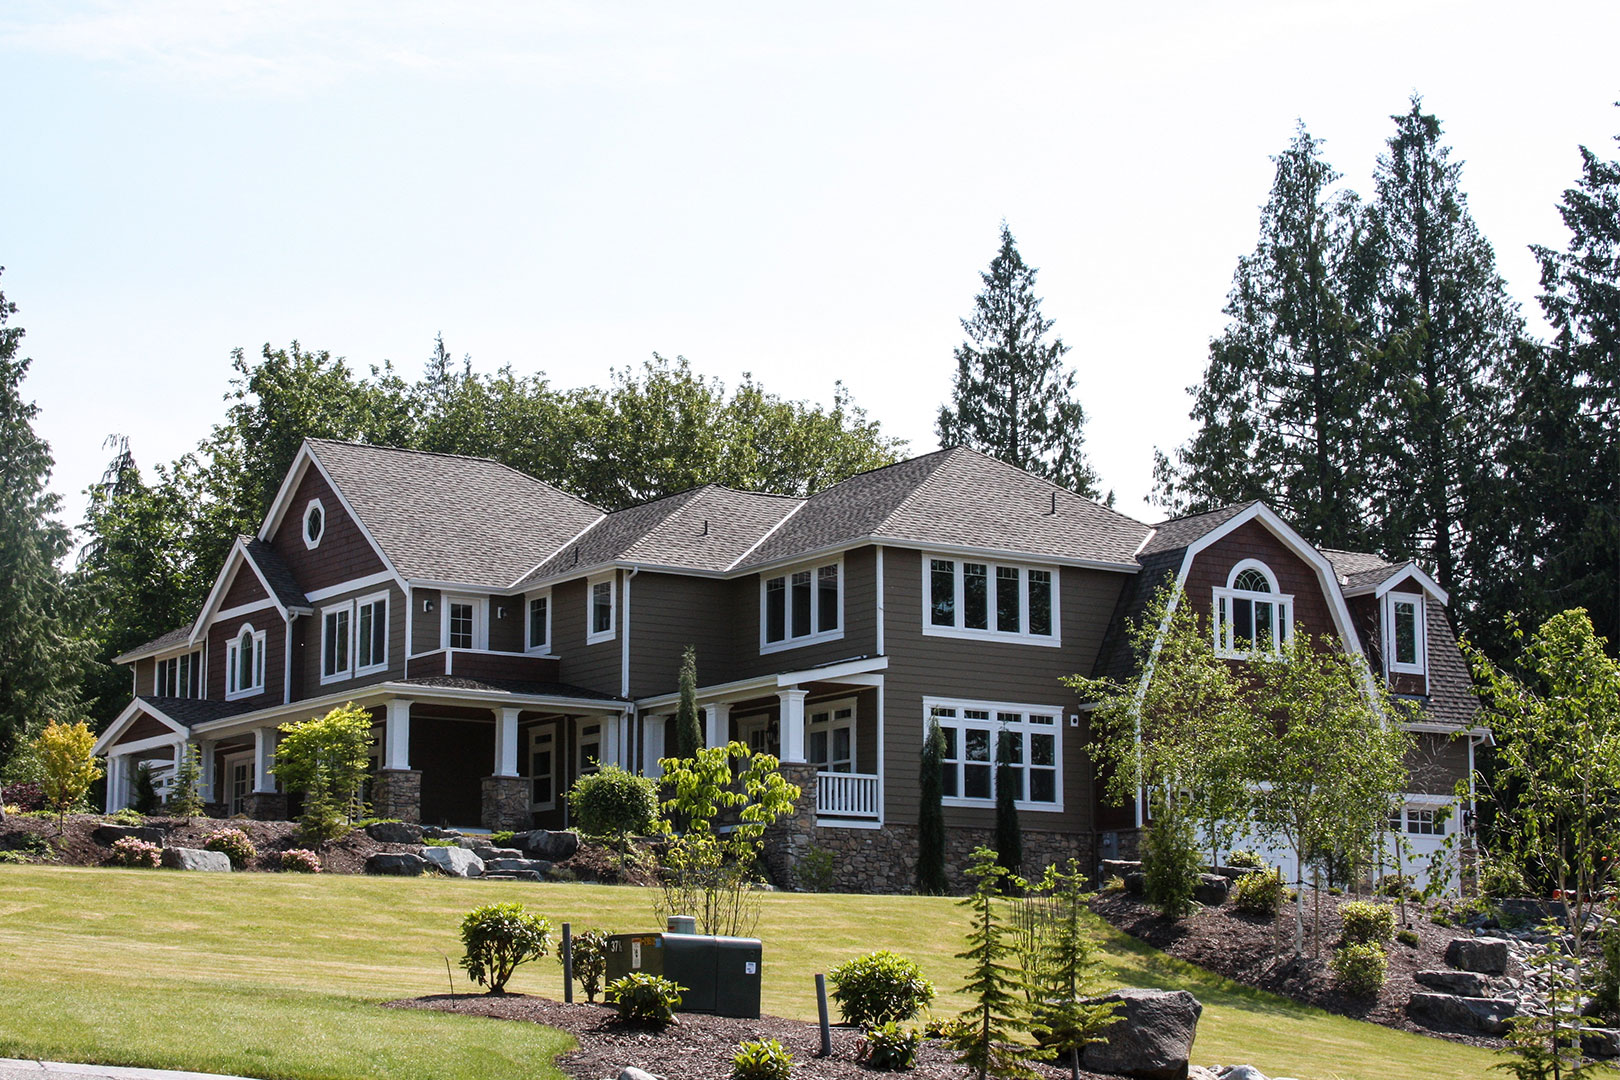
652	744
207	782
792	724
397	736
264	759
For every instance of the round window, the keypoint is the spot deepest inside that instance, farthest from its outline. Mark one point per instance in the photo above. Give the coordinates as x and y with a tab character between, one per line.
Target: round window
314	523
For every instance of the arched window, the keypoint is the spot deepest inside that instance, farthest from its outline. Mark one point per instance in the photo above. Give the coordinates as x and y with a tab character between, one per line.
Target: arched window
244	663
1252	616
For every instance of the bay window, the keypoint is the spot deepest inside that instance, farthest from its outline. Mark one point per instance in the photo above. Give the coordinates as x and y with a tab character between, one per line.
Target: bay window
978	734
979	598
801	606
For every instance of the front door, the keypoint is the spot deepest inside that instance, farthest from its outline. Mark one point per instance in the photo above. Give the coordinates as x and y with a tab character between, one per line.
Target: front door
238	773
543	768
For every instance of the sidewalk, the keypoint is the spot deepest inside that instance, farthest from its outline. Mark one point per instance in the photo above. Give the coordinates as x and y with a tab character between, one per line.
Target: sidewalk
15	1069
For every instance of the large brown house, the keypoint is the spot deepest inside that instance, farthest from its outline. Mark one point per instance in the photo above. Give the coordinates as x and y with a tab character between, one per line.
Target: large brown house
507	636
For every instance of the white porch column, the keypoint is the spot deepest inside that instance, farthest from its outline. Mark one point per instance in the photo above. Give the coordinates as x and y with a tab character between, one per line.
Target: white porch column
610	740
506	742
264	759
207	781
117	766
397	736
792	724
717	723
652	744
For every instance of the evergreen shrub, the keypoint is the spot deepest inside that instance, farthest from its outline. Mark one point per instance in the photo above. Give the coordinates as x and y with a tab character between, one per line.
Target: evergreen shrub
1259	894
879	987
499	937
1366	922
761	1059
644	999
888	1047
1359	969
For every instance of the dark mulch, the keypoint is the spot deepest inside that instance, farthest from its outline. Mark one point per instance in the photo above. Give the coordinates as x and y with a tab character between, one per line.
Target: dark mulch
698	1048
1258	951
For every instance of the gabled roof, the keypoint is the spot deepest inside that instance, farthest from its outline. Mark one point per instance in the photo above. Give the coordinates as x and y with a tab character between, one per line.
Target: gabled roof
275	573
446	518
178	714
174	639
1362	572
1177	533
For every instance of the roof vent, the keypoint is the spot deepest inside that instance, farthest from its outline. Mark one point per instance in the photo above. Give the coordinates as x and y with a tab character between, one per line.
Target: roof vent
1054	505
705	526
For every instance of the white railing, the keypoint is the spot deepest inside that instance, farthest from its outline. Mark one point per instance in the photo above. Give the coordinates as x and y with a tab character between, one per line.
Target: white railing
841	794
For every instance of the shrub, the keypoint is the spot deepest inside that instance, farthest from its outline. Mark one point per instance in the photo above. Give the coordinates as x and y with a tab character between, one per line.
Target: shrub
300	861
24	798
614	802
499	838
761	1059
1607	991
125	816
888	1047
1408	938
589	949
944	1027
1259	894
1359	969
133	852
1393	885
644	999
1113	883
879	987
235	844
430	841
1244	859
1171	862
499	937
326	759
67	766
815	869
1500	879
1366	922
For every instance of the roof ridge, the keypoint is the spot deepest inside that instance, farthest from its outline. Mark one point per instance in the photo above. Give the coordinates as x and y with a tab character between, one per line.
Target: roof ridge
357	445
1053	484
1235	506
945	455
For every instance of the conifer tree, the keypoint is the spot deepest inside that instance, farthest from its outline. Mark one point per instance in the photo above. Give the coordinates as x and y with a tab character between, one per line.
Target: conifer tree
931	816
688	731
1009	836
1012	397
987	1037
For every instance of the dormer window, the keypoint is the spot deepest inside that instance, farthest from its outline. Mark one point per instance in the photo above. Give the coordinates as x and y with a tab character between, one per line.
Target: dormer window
1252	616
314	523
244	663
1406	643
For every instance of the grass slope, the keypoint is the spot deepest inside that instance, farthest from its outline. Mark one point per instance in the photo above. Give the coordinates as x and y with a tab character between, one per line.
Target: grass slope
272	975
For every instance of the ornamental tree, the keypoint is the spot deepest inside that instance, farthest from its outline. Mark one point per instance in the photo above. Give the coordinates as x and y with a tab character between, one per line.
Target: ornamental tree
327	759
67	768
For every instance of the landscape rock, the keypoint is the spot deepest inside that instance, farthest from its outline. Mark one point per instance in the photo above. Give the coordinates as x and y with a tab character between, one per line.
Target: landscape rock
489	853
111	834
510	875
537	866
1198	1072
1119	867
630	1072
457	862
396	864
553	845
1232	873
1486	955
394	832
1136	883
1600	1043
1487	1015
1212	889
186	858
1241	1072
1460	983
1154	1037
433	832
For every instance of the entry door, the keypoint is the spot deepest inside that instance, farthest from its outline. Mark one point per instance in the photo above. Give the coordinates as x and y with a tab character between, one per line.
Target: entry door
755	732
238	783
543	767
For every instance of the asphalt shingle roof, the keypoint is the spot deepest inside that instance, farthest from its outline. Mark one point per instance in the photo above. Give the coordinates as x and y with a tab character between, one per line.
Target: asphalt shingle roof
1451	688
510	686
193	711
442	517
276	572
1177	533
1360	569
174	637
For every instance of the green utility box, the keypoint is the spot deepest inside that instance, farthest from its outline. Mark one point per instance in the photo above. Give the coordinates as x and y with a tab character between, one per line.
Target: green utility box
720	975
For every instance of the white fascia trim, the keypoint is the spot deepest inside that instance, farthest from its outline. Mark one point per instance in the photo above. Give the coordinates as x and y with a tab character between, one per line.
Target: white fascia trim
278	508
1429	727
768	534
1039	560
156	742
244	609
1146	540
576	538
353	585
744	688
216	595
124	719
1414	571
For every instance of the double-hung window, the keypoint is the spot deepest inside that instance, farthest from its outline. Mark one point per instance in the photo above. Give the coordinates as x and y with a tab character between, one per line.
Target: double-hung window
179	676
371	634
543	767
244	663
801	606
831	736
1252	617
465	624
987	742
599	610
538	629
1404	632
354	637
979	598
336	642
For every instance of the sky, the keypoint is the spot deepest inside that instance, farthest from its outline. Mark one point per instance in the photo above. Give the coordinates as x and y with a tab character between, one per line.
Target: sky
806	193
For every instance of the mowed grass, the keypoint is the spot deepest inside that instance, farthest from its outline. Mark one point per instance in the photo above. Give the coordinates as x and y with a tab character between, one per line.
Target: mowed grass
277	975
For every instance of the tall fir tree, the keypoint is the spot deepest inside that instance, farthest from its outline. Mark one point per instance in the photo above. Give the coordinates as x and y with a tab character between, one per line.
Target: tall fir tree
40	660
1445	330
931	816
1012	397
688	730
1009	788
1281	404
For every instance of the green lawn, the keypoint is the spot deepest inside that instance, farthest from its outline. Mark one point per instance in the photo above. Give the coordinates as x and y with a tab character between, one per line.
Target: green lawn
273	975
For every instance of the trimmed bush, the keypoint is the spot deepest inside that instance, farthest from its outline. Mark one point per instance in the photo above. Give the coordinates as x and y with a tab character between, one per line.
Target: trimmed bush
235	844
1366	922
1409	938
1259	894
132	852
300	861
614	802
1359	969
879	987
888	1048
1499	879
499	937
761	1059
644	999
590	961
1243	859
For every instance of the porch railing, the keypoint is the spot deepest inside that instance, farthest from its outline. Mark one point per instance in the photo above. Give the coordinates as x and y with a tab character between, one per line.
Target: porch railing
840	794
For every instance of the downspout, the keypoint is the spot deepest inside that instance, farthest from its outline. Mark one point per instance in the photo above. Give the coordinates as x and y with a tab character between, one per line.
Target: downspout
626	724
410	624
286	663
880	649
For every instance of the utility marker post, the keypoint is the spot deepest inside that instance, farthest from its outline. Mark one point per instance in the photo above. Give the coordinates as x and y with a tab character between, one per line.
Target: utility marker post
568	963
821	1005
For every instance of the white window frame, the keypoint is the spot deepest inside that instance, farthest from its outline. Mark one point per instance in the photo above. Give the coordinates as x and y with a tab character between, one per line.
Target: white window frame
816	634
529	644
554	732
832	723
233	652
1022	636
193	669
996	709
1223	629
354	632
346	671
593	637
480	606
1420	633
312	507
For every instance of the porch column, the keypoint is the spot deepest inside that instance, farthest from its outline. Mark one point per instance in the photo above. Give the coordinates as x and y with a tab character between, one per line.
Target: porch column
792	724
610	739
264	759
207	781
652	744
397	736
717	723
117	766
396	792
506	742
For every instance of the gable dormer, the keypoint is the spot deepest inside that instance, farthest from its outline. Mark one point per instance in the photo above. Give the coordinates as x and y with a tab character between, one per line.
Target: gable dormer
1396	606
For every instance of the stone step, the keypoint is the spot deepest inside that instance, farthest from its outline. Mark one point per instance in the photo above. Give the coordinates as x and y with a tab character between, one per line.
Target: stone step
510	875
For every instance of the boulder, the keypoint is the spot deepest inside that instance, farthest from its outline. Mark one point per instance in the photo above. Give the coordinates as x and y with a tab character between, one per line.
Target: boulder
109	835
187	858
553	845
1119	867
1152	1040
1198	1072
1212	889
630	1072
394	832
1233	873
433	832
1136	883
1487	1015
1488	956
1600	1043
510	875
1240	1072
396	864
1460	983
489	853
538	866
457	862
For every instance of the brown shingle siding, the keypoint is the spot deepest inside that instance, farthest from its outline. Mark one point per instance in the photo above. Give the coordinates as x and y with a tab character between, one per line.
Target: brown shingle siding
343	554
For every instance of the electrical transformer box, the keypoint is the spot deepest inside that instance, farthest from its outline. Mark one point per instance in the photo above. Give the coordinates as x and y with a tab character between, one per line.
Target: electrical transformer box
719	975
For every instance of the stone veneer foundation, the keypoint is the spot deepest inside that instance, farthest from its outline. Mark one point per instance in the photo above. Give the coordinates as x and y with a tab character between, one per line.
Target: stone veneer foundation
505	803
266	805
397	793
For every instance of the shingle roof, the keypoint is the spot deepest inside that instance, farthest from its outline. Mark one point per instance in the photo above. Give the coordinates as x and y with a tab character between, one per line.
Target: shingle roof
959	498
192	711
442	517
1451	689
275	571
1177	533
1360	569
177	636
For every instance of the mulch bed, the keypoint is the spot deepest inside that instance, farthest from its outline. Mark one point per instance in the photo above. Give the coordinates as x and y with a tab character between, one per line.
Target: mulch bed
698	1048
1257	951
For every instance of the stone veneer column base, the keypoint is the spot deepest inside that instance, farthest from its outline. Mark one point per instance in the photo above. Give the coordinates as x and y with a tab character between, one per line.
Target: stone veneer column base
787	841
397	793
505	803
266	806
